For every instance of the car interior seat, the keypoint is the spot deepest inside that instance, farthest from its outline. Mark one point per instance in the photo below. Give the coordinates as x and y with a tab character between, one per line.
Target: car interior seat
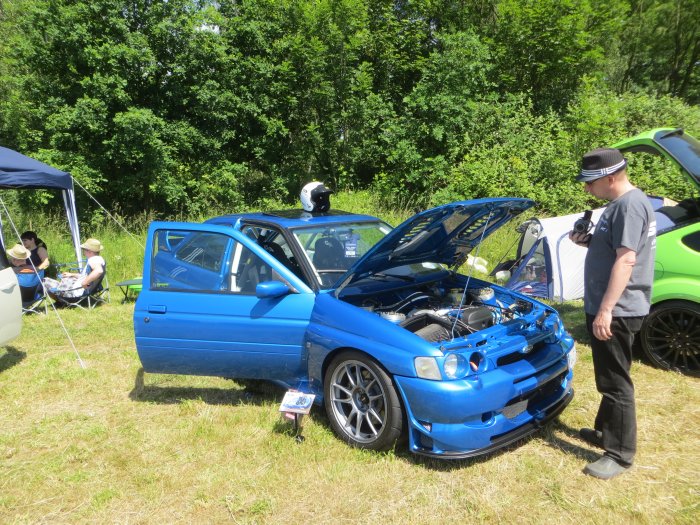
329	254
253	270
278	253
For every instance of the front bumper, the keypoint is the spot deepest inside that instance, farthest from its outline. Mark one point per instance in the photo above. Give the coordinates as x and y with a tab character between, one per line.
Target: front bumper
480	414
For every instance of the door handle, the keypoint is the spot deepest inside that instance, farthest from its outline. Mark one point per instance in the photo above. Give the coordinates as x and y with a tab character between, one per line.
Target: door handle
8	287
157	309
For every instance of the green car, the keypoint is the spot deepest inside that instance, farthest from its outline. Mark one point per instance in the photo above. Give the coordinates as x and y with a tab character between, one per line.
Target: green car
670	335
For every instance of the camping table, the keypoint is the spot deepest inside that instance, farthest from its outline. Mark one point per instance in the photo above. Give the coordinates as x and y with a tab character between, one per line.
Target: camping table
130	286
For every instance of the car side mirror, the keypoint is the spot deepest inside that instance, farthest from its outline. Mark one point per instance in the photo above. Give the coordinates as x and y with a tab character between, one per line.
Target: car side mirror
271	289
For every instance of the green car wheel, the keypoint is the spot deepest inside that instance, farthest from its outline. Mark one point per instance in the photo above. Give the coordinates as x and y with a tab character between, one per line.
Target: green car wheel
670	336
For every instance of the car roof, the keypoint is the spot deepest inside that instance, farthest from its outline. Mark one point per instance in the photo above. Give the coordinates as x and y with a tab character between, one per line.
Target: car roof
294	218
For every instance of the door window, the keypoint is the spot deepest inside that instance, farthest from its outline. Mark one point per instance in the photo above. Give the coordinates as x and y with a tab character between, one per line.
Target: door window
197	261
194	261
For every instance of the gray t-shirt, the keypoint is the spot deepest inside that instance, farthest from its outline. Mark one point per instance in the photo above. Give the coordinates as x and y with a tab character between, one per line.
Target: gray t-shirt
628	222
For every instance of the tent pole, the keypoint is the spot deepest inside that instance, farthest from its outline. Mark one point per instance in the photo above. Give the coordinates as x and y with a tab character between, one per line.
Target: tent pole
72	215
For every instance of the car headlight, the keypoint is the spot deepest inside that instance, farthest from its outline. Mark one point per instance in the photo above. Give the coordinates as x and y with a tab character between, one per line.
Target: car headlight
454	366
556	328
571	357
555	325
427	368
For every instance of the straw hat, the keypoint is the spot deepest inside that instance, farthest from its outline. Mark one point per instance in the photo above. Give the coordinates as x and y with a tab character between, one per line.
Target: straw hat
19	252
93	245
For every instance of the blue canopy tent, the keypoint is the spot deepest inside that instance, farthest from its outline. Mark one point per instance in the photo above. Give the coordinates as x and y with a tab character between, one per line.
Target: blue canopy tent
18	171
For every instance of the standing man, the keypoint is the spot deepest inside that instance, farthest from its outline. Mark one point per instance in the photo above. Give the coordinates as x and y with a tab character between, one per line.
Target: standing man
618	275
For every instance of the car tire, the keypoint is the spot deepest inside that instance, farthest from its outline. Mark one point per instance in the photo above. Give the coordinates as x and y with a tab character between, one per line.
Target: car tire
361	402
670	336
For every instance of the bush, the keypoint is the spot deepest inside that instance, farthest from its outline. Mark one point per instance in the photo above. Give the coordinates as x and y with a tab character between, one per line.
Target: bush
518	154
600	118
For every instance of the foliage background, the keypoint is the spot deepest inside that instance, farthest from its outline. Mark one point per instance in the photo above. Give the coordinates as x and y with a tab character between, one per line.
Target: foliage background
185	108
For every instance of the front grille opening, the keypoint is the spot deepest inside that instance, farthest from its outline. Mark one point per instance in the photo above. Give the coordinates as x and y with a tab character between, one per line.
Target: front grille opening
545	390
509	359
550	388
425	442
514	357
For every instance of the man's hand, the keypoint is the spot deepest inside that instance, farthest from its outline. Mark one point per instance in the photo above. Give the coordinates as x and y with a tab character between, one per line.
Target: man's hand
580	238
601	325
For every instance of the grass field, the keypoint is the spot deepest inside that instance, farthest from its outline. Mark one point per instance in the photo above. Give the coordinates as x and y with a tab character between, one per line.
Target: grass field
110	444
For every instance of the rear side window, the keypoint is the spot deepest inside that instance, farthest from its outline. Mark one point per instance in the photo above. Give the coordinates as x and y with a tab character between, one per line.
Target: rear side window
193	261
4	263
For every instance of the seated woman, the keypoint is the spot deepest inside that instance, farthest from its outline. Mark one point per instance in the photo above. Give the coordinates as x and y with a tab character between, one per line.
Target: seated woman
39	253
27	277
74	284
19	258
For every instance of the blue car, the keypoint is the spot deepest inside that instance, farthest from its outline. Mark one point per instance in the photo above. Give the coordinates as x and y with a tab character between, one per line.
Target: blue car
375	321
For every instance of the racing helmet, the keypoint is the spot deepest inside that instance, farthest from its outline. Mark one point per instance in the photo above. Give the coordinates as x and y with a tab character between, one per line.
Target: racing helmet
315	197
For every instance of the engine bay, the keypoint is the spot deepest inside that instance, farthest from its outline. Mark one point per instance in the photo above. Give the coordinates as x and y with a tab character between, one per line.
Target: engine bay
443	311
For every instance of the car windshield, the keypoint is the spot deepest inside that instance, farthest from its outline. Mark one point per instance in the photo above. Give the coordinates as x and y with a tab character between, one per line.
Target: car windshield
333	248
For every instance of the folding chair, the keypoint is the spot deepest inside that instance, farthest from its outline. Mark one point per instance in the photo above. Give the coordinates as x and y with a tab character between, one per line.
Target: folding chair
32	291
96	293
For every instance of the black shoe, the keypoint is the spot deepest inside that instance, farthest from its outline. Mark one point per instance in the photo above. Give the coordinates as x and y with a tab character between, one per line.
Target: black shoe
594	437
605	468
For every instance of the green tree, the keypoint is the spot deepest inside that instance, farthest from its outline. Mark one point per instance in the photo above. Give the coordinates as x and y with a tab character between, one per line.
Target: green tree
439	121
661	48
543	48
191	106
136	97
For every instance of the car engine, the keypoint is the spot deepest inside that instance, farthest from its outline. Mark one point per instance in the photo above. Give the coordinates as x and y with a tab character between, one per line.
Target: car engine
442	314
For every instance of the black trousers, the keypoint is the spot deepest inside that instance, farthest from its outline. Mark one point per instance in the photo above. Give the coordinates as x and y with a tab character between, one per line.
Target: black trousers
617	417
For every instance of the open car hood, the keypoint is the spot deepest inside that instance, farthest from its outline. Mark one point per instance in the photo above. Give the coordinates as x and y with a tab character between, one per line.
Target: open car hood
674	144
445	234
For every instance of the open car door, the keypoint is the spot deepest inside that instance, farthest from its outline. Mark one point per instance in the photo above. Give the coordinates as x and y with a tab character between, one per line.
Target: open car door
215	303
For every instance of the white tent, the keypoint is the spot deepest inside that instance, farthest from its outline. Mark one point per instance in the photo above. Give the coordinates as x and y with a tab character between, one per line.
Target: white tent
548	264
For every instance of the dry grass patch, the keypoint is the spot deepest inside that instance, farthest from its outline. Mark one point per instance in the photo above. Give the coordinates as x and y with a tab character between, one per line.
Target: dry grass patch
109	444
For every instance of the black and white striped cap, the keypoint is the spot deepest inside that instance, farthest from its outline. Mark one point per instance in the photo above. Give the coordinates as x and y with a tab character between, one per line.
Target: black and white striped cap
599	163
